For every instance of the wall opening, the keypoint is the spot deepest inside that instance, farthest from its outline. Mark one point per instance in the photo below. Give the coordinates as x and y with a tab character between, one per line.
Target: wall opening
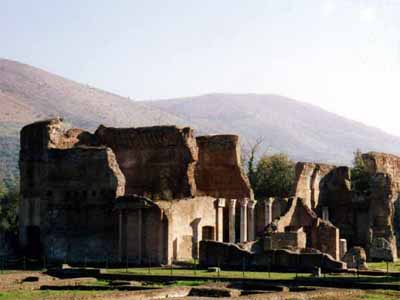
34	246
208	233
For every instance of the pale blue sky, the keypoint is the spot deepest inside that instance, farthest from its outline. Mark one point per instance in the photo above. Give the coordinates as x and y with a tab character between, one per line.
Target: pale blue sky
341	55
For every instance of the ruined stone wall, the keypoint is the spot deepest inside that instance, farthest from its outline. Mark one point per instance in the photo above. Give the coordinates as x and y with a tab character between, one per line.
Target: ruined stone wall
67	192
385	201
218	171
285	240
326	238
158	162
231	256
361	218
142	231
70	180
307	181
320	234
279	207
381	216
389	164
186	222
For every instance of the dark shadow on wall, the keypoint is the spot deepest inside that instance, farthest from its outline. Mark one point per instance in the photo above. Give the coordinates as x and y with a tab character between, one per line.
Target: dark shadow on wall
195	237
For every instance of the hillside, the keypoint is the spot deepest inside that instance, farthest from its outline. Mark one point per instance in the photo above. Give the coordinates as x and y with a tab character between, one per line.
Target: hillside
303	131
28	94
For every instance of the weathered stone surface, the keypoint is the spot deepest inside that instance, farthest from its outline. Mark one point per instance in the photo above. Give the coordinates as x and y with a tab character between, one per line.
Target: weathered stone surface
218	170
361	218
125	193
228	255
285	240
381	250
320	234
158	162
356	258
218	254
307	182
67	191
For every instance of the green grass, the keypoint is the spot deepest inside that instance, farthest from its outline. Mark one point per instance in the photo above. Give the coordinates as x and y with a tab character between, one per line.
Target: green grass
252	275
205	273
381	295
177	283
393	267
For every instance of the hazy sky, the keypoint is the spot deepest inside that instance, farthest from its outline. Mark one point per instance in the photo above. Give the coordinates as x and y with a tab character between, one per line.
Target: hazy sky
341	55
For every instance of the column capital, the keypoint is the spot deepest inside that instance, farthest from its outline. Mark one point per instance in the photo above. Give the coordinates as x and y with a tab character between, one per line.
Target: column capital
252	204
232	202
243	202
220	202
269	200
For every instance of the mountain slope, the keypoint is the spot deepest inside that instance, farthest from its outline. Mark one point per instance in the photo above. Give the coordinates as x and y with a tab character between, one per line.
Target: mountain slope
303	131
28	94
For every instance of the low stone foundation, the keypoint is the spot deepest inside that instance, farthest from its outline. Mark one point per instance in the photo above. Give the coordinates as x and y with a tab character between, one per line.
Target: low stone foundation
231	256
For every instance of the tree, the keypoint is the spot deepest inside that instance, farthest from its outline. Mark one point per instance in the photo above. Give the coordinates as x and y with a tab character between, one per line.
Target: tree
249	159
274	176
360	177
9	210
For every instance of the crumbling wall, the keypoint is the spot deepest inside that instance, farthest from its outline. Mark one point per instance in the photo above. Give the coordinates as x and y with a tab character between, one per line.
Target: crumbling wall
326	238
385	201
218	171
285	240
307	181
231	256
361	218
321	234
187	220
158	162
143	231
67	191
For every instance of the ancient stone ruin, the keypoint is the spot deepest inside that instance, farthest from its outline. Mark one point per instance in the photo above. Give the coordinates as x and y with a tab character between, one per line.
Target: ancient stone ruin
363	219
150	194
158	195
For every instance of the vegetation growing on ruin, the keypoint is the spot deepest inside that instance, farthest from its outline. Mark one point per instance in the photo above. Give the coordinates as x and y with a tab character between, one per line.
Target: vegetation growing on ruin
360	178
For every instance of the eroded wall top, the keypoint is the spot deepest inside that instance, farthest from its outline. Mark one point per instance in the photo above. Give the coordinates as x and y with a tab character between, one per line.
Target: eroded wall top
158	162
307	181
218	171
54	158
377	162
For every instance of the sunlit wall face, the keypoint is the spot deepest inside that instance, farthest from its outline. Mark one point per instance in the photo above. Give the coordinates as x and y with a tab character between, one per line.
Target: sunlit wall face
341	55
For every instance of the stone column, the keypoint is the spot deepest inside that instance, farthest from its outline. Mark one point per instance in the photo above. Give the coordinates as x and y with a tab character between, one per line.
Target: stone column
220	204
232	220
342	248
268	210
139	235
325	213
120	243
243	219
251	220
161	240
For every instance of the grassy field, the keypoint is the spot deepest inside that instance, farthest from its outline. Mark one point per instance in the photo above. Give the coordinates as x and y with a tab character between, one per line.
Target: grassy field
205	273
246	274
30	291
393	267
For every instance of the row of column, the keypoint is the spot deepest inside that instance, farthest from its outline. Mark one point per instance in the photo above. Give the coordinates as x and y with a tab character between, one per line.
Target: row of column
247	219
268	211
